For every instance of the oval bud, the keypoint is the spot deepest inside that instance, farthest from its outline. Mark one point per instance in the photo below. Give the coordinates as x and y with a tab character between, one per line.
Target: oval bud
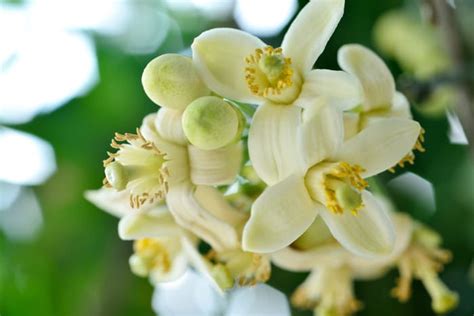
171	81
210	123
116	175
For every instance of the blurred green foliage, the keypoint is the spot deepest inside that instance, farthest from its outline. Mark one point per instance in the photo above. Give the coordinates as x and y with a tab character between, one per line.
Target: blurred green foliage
79	266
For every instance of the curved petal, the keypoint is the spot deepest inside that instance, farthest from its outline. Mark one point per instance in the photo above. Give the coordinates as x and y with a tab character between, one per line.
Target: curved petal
381	145
113	202
351	124
176	155
215	203
322	133
215	167
369	233
190	214
199	262
309	33
364	268
376	81
272	142
292	259
219	56
338	87
400	106
279	216
157	222
168	124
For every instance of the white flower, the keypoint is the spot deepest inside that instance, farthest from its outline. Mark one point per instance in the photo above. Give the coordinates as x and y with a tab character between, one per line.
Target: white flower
329	288
150	168
378	98
330	183
240	66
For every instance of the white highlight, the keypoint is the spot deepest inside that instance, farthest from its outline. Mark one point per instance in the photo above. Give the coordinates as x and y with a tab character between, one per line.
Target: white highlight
456	132
43	66
25	159
264	17
415	188
23	220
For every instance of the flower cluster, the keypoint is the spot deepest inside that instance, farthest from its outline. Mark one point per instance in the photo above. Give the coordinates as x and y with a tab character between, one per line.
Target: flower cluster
255	157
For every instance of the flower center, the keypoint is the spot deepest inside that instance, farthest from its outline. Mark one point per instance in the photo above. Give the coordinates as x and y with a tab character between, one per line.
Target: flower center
150	255
410	157
245	267
337	185
137	166
268	72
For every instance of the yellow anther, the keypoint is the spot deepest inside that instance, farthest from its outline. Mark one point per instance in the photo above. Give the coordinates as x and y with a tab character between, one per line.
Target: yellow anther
268	72
410	157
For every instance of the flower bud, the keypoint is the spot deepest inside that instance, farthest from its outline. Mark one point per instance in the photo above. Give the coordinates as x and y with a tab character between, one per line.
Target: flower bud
171	81
222	277
210	123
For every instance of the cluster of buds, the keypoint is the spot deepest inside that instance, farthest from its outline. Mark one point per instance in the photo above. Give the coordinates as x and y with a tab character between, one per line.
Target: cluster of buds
254	155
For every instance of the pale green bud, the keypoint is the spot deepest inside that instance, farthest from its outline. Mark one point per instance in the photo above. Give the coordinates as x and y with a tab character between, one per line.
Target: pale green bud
116	175
171	81
138	265
210	123
222	276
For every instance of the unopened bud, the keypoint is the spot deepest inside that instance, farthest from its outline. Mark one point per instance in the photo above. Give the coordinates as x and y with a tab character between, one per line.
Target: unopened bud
116	175
210	123
171	81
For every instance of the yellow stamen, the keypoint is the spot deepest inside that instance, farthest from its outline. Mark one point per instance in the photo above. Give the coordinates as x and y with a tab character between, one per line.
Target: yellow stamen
138	166
336	184
424	260
245	267
268	72
150	255
410	157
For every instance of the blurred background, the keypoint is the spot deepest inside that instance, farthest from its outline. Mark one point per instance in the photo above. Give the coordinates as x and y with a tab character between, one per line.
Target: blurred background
70	77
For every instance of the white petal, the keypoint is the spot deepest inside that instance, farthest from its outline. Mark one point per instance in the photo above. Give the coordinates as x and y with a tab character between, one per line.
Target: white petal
351	124
261	299
338	87
215	203
272	142
400	106
215	167
176	155
381	145
157	222
189	295
199	262
111	201
279	216
291	259
179	265
364	268
219	56
168	124
368	234
310	31
190	214
377	84
322	133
